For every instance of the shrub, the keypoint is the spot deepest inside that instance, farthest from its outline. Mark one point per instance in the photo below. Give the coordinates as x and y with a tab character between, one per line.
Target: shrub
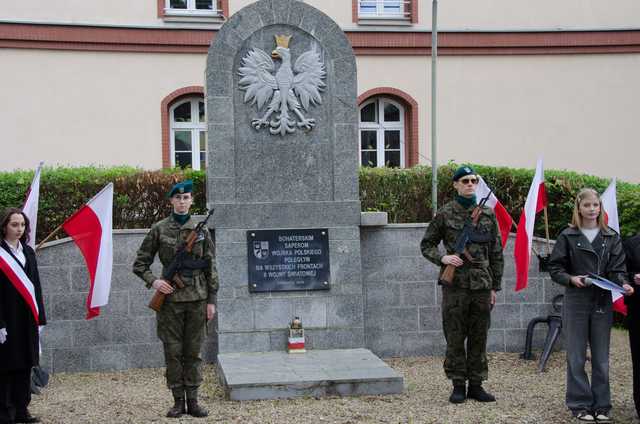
140	196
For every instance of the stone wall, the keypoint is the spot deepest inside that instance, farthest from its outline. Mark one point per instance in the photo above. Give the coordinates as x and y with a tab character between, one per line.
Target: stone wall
402	298
399	296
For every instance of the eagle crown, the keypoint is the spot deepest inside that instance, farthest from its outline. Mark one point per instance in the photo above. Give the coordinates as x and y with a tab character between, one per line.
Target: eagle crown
283	41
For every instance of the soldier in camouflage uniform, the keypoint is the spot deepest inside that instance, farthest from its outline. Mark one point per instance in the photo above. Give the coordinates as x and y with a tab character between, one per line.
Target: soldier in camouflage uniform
467	303
181	322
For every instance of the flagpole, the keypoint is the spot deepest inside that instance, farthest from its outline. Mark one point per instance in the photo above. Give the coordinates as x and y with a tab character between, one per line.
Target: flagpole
47	238
434	59
546	230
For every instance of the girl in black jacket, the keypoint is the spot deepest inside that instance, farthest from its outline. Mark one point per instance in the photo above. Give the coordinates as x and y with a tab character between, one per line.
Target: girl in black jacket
632	251
588	246
19	342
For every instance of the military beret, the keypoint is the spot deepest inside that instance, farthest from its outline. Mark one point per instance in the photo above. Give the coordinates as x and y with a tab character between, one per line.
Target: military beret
185	186
463	171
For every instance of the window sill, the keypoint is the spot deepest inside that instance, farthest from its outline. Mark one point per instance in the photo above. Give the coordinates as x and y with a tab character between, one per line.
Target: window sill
382	20
191	16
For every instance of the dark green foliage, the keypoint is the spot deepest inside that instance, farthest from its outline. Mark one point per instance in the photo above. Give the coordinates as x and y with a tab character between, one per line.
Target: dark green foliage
406	193
140	196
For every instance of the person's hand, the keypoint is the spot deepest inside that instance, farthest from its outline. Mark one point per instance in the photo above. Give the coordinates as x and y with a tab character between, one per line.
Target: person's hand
3	335
636	278
211	311
494	297
452	260
162	286
628	290
576	280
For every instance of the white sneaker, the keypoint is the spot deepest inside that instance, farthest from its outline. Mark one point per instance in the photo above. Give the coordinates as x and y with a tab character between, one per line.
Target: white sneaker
603	417
585	417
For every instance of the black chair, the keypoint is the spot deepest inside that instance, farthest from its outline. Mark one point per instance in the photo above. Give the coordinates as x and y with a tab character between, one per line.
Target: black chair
554	322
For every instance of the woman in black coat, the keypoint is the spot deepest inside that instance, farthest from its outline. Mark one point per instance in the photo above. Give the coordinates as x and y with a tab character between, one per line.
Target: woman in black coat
632	250
19	340
588	246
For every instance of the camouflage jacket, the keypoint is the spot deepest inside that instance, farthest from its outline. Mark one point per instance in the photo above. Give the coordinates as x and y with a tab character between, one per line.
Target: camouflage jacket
164	238
485	271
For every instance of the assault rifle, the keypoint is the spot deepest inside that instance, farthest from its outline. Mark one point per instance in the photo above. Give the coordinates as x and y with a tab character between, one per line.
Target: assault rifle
180	261
469	234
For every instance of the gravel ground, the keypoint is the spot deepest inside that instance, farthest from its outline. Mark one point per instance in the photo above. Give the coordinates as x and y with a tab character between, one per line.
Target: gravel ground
524	396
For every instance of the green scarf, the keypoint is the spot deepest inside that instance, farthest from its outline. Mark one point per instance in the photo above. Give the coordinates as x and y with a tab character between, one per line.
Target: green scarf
181	219
466	202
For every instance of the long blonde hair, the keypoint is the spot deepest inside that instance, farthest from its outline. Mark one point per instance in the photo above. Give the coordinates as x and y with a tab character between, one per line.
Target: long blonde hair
576	219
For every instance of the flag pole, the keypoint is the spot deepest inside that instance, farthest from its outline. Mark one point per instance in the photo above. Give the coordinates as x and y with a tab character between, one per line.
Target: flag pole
434	142
546	230
47	238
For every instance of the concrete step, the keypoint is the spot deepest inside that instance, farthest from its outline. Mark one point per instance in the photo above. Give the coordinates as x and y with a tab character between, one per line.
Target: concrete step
317	373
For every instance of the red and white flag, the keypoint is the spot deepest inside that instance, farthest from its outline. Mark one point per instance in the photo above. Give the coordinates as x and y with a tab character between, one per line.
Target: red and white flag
610	208
30	207
504	219
20	280
91	229
536	201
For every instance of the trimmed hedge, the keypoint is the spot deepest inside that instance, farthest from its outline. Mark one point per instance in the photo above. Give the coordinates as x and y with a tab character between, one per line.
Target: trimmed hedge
140	196
406	193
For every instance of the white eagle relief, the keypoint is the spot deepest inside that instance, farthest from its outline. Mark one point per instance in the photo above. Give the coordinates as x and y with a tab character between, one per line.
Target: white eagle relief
287	92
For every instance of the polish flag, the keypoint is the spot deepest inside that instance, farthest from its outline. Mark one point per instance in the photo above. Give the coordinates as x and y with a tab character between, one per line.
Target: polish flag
91	229
30	207
610	208
536	201
504	219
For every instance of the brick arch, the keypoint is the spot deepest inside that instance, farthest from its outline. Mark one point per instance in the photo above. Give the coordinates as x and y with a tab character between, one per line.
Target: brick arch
164	116
410	121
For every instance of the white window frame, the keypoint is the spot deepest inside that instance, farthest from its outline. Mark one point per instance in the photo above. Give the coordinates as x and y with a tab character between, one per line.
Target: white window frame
380	127
195	127
381	12
191	9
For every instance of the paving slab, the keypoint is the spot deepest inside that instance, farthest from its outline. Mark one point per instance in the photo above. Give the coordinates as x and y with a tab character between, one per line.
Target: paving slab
317	373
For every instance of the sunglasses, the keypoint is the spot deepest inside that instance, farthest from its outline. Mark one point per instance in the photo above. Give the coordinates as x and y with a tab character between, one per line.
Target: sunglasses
466	181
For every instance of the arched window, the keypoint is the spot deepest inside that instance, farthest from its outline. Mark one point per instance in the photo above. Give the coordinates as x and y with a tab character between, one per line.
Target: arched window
382	133
188	140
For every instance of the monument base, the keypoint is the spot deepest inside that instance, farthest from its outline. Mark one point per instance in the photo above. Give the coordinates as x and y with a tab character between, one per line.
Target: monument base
278	375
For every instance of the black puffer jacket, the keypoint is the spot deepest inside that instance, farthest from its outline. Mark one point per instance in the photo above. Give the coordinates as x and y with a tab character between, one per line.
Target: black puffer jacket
573	255
632	251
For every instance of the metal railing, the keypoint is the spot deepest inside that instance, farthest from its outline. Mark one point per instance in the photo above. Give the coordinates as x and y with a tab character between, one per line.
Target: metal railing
386	9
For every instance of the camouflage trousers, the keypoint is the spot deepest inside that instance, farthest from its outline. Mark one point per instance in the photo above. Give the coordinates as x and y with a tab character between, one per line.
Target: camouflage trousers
466	317
181	328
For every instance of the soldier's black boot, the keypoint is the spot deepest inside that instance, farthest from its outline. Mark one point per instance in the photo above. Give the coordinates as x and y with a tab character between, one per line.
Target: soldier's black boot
458	395
178	409
196	410
478	393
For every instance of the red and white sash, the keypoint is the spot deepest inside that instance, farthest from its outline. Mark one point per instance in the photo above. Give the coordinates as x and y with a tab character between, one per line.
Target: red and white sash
20	281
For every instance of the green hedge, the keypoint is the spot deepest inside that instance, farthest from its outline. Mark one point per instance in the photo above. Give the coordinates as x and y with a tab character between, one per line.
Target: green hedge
404	193
139	196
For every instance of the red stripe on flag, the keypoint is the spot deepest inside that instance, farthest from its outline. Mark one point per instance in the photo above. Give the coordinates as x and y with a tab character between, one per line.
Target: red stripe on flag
542	198
522	254
619	306
295	345
504	222
85	229
22	290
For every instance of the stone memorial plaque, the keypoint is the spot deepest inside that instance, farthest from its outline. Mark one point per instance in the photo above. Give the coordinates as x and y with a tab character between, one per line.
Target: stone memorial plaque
285	260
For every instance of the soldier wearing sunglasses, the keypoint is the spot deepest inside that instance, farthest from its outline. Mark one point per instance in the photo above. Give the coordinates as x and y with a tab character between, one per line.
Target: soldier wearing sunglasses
468	300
